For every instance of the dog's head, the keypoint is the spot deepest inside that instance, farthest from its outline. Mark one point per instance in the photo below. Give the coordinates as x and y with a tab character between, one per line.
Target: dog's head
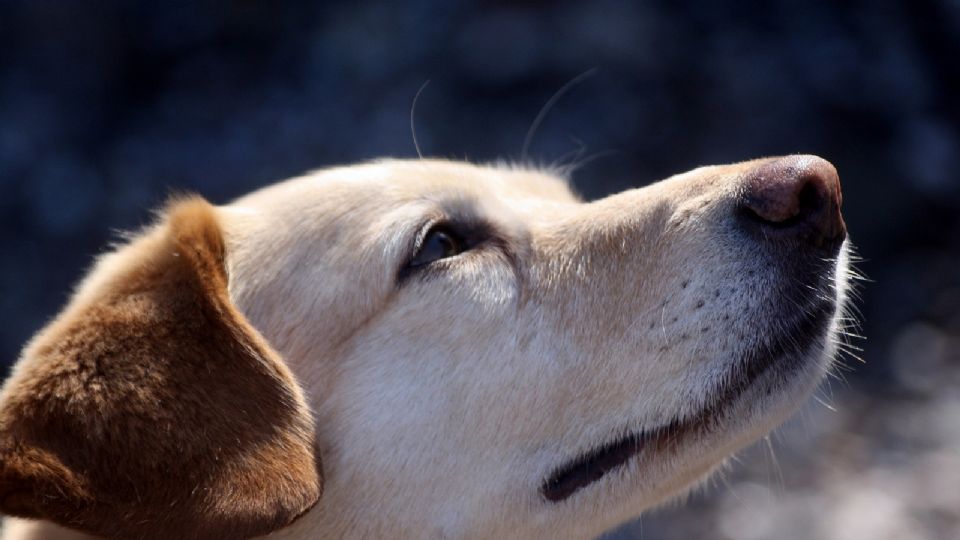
484	354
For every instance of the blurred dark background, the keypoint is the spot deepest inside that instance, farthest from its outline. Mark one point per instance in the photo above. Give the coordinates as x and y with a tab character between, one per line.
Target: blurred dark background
107	106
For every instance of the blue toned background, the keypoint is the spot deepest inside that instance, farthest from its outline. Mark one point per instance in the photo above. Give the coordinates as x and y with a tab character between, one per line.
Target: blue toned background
108	106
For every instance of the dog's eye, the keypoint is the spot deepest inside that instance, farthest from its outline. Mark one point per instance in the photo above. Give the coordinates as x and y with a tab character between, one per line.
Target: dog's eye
439	243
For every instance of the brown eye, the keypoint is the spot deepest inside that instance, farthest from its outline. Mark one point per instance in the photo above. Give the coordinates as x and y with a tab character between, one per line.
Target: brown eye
439	243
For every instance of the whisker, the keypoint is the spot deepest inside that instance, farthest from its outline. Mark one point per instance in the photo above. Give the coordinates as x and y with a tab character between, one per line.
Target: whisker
546	109
579	164
413	110
777	468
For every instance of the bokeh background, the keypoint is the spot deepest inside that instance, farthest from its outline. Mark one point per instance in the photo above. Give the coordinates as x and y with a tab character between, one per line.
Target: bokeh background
106	107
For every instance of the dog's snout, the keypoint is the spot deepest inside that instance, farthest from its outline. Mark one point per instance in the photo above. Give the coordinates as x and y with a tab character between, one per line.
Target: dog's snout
798	196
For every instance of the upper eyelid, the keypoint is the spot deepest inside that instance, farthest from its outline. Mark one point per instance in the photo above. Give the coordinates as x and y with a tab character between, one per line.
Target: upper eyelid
423	229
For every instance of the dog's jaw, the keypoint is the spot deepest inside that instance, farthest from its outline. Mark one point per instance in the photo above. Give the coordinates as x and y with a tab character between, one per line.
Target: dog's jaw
770	367
659	465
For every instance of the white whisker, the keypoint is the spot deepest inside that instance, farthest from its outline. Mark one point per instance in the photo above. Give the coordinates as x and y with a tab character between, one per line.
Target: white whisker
413	110
546	109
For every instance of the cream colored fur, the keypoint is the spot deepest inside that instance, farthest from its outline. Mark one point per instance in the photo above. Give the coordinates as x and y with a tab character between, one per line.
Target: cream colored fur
443	401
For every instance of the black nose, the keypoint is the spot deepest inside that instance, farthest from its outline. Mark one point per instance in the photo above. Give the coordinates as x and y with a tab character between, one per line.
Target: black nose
795	197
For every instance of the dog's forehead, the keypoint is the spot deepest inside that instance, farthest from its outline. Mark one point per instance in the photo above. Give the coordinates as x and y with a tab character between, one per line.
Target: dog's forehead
501	180
392	182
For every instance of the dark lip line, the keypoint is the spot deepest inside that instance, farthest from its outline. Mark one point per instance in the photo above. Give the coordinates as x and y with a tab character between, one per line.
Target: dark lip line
789	347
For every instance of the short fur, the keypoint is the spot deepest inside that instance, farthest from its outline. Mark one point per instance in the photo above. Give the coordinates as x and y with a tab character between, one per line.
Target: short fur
445	398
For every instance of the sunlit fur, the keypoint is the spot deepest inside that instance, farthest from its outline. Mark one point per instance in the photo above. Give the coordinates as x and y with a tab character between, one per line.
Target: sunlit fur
443	400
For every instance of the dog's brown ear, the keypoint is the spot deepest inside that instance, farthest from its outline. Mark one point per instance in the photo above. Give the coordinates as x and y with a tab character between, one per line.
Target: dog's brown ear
151	408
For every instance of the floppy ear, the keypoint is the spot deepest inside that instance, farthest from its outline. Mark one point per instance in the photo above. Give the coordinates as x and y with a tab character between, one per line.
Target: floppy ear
150	408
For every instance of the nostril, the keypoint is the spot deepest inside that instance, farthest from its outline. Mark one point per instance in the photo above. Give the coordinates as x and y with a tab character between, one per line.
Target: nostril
794	209
782	204
809	200
799	194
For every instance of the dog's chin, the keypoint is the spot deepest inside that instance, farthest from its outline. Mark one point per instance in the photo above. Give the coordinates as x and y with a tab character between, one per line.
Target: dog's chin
765	386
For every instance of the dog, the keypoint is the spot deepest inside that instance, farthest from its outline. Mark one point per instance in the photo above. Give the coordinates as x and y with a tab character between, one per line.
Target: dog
425	349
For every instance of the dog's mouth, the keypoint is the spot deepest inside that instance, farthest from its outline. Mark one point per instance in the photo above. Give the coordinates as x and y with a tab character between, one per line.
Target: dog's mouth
786	352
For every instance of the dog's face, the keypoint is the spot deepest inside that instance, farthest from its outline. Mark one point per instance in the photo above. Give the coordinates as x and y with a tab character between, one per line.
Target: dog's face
487	356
